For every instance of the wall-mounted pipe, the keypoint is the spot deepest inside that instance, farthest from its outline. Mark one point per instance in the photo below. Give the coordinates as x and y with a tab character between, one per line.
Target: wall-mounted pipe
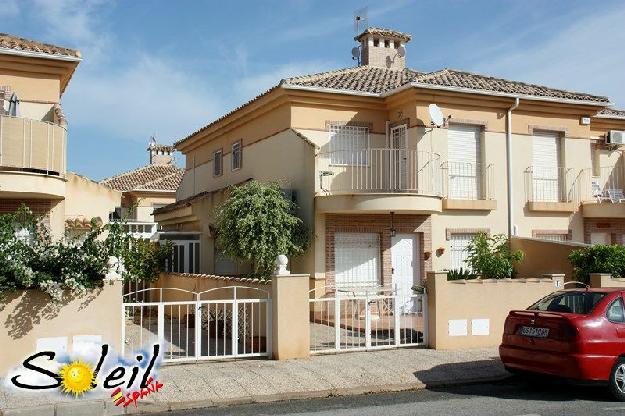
509	165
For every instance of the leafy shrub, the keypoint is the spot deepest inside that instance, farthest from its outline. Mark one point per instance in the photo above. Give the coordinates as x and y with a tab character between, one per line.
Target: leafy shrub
461	274
257	223
491	257
598	258
35	260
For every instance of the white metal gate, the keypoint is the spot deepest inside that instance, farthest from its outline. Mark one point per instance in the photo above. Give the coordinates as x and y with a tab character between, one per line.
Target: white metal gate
228	322
362	319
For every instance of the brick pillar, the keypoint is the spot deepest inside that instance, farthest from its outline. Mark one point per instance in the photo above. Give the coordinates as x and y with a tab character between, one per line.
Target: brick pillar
435	332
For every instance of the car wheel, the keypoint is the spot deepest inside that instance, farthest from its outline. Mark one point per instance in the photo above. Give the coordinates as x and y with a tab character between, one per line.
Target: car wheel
617	380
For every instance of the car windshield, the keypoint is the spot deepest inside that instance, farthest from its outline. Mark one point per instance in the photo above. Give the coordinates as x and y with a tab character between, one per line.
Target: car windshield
581	303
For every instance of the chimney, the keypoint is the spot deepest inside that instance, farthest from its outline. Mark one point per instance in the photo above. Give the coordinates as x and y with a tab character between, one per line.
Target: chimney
160	154
379	48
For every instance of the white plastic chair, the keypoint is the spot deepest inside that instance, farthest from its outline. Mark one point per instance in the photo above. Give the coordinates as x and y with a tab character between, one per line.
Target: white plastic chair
616	195
597	193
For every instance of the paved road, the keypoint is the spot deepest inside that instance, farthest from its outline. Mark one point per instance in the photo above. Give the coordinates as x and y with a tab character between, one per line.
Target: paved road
512	397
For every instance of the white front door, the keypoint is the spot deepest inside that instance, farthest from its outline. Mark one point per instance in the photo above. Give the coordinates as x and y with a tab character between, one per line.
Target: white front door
356	260
405	263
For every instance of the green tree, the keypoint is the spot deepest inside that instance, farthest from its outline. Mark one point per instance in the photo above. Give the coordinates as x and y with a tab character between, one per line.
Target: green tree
598	258
491	257
257	223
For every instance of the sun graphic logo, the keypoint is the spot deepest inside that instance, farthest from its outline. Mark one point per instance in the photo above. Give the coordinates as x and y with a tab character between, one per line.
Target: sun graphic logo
76	378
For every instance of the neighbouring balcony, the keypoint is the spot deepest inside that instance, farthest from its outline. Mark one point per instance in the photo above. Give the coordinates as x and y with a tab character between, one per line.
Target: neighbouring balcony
382	170
552	189
379	180
468	186
32	146
603	192
142	230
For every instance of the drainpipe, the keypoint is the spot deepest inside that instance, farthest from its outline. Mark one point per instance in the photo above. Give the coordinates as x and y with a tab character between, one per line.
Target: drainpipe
509	164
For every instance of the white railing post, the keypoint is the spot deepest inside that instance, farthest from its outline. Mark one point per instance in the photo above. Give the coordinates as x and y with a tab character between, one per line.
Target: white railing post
123	343
396	312
424	314
161	325
268	333
337	320
235	323
367	322
198	327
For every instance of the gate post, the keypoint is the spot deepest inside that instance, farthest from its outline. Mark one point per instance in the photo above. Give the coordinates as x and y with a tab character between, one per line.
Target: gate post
290	329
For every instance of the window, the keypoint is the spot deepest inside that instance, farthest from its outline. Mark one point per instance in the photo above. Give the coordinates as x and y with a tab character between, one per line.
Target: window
224	265
616	312
186	253
397	44
387	43
357	259
594	157
376	42
237	155
464	162
459	250
218	163
546	172
349	145
581	303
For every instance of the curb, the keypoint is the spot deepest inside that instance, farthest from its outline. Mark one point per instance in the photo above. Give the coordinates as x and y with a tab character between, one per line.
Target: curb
107	408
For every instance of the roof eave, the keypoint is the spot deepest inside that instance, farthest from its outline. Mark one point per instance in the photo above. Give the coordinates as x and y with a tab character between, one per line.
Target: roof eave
329	90
609	117
32	54
496	94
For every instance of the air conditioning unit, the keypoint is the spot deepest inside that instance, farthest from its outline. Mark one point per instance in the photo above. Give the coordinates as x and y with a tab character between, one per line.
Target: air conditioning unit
616	137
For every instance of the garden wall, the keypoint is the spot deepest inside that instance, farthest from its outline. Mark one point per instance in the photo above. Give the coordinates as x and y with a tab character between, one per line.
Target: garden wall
31	321
471	313
600	280
544	257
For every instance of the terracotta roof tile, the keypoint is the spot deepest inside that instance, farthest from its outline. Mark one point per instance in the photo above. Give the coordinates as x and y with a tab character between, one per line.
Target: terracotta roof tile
21	44
166	177
611	113
384	32
375	81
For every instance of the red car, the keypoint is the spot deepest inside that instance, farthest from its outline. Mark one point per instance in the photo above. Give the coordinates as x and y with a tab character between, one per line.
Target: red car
576	334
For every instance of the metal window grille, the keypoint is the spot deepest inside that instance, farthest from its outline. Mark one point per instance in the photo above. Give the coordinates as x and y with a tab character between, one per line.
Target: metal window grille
236	156
459	250
349	145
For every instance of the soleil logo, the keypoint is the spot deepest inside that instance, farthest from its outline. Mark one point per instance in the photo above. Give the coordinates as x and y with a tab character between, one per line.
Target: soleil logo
79	377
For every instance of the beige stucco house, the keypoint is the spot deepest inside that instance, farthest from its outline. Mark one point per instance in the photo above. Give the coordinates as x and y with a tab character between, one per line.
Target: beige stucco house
33	139
147	188
388	192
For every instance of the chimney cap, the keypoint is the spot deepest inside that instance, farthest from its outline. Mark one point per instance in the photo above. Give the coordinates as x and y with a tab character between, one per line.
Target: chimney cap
387	33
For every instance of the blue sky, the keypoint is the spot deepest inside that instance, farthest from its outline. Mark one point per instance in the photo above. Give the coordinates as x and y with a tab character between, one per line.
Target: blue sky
169	67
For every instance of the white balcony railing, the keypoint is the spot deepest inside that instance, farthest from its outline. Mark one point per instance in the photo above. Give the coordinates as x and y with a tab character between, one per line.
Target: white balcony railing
32	145
143	230
597	186
380	170
558	184
473	181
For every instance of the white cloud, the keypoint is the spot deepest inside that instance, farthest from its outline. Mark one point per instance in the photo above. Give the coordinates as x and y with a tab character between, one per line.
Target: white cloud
148	96
586	56
253	85
9	8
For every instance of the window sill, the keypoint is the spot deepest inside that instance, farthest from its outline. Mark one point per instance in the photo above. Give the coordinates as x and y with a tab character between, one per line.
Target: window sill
470	204
551	206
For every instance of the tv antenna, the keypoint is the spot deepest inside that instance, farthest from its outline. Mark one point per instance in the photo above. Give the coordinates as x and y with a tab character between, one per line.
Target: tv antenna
361	21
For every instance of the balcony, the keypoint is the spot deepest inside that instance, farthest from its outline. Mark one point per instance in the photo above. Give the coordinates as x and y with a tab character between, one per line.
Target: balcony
468	186
551	189
32	158
379	180
141	230
602	192
32	146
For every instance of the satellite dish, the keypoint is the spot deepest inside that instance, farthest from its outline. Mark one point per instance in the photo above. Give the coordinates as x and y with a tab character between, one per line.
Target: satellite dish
356	52
401	51
436	115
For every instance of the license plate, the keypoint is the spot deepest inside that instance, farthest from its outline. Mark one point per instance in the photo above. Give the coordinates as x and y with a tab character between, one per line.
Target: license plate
531	331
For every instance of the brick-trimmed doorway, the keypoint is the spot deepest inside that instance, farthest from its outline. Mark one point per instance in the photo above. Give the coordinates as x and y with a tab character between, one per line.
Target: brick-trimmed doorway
381	224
